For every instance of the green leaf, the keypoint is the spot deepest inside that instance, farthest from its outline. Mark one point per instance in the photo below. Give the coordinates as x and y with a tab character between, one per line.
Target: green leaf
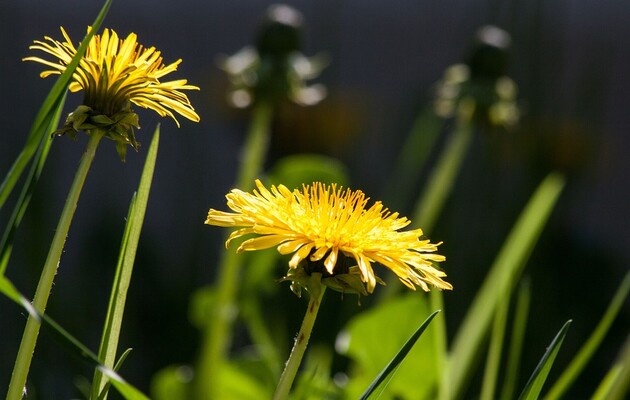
47	111
502	277
389	370
586	352
296	170
616	383
537	380
516	342
314	382
236	383
119	363
371	339
6	245
124	269
172	383
127	390
493	360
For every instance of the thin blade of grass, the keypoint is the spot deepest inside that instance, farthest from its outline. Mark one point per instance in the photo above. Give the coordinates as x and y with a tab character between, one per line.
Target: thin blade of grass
616	383
6	245
388	372
117	367
503	274
537	380
46	112
588	349
519	325
127	390
493	360
124	269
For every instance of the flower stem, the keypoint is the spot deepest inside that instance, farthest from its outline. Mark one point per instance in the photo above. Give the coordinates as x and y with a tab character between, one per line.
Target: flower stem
216	340
31	331
443	178
316	290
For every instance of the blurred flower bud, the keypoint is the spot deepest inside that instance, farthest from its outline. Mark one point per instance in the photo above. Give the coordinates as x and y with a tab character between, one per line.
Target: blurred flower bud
482	79
489	56
275	69
281	31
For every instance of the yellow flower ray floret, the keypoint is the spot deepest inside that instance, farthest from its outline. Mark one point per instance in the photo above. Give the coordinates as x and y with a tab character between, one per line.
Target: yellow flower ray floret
113	71
320	222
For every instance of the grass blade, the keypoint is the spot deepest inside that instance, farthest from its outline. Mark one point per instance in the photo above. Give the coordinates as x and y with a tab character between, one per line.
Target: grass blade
124	269
537	380
516	343
46	112
616	383
390	368
6	245
493	360
586	352
501	278
127	390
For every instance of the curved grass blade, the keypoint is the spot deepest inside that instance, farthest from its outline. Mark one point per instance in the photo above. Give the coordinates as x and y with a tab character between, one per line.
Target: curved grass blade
586	352
491	371
537	380
117	367
503	274
128	391
6	245
616	383
46	112
388	372
519	325
124	269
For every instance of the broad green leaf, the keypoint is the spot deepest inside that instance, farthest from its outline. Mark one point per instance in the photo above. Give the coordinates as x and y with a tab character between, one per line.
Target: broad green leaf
387	373
586	352
236	383
46	113
124	269
537	380
315	382
501	278
296	170
172	383
374	336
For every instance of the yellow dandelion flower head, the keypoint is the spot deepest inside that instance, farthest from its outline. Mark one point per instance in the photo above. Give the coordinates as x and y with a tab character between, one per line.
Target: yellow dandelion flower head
323	224
115	71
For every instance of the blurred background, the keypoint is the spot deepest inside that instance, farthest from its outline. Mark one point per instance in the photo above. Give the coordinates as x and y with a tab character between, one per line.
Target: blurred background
570	61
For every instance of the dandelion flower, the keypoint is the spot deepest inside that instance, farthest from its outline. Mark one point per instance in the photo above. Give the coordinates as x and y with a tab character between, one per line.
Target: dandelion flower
115	72
332	231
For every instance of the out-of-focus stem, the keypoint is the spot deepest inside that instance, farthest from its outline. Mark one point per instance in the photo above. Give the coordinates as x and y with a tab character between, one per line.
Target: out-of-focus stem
217	335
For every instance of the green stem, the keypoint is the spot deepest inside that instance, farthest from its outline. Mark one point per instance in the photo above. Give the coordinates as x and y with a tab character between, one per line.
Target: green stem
436	300
316	290
443	176
413	158
216	341
31	331
255	146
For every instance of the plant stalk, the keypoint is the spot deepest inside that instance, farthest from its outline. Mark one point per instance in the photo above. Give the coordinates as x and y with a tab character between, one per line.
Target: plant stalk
216	340
316	290
31	331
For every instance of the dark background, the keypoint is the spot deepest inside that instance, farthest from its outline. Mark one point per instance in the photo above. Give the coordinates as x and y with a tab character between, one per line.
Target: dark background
570	59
